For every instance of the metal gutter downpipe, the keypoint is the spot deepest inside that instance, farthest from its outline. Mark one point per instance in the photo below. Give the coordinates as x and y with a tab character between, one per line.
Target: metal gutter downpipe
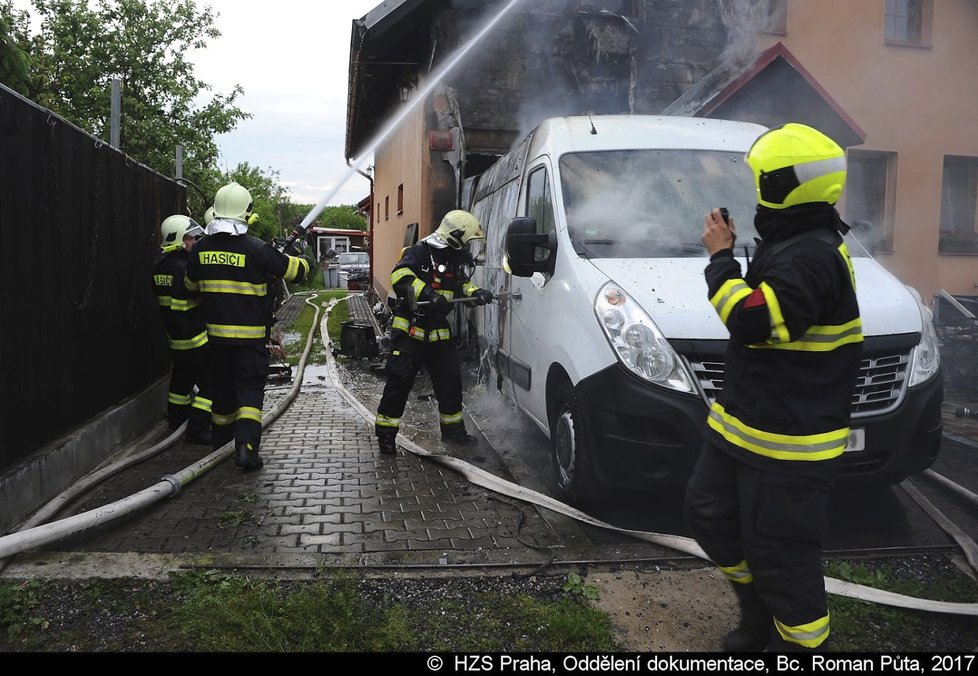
168	486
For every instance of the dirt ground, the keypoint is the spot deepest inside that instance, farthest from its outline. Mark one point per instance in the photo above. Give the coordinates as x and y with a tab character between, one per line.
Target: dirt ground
667	611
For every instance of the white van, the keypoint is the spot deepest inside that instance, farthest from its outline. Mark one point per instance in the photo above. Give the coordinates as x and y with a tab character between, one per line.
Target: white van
615	204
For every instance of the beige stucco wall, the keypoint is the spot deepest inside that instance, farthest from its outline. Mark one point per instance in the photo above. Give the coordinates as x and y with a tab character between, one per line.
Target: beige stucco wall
917	102
401	159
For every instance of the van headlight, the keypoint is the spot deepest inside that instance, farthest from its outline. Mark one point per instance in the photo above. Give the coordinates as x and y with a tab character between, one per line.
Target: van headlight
925	360
637	341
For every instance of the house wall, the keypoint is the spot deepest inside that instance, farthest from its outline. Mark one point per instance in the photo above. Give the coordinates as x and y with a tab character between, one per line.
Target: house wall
917	102
400	160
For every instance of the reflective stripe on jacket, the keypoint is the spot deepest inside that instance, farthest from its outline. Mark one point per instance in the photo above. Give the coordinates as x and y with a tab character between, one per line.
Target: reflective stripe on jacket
234	275
425	271
795	345
179	306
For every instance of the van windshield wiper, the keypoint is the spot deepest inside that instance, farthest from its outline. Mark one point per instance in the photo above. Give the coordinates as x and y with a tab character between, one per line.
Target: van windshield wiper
606	242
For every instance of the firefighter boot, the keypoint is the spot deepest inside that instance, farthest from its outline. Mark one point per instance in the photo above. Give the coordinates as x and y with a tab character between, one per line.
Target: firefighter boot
457	436
387	443
199	430
246	456
754	631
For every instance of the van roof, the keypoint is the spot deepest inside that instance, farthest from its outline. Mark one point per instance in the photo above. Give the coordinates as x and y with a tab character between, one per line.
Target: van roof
625	132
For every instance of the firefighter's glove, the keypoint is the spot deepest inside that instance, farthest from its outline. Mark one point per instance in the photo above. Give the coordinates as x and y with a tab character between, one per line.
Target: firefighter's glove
482	296
440	304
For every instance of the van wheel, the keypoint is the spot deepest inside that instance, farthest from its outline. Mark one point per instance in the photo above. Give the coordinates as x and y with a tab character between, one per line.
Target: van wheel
570	453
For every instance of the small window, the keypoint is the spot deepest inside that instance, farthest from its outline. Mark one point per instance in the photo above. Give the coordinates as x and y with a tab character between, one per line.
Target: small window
777	16
539	204
387	208
959	201
400	199
908	22
869	194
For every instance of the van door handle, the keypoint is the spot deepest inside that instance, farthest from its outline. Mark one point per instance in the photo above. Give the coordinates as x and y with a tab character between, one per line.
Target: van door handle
517	296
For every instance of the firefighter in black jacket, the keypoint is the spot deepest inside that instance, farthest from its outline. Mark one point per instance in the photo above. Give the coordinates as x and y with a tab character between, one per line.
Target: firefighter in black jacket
758	498
185	331
432	271
233	272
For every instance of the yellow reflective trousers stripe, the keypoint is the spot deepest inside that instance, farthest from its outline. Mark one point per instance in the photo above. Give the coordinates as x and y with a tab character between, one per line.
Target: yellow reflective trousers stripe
202	403
385	421
450	418
740	573
178	399
807	447
232	331
809	635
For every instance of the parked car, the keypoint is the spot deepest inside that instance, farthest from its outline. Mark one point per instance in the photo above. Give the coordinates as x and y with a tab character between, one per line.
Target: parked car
607	340
356	265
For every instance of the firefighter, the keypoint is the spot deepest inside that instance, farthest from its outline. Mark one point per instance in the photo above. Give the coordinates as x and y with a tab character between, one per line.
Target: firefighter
186	334
431	270
758	498
233	272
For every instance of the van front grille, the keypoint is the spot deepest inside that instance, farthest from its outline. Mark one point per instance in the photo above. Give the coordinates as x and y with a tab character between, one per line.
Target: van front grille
881	386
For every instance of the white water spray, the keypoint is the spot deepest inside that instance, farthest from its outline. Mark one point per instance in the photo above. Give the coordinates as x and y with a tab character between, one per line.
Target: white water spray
406	110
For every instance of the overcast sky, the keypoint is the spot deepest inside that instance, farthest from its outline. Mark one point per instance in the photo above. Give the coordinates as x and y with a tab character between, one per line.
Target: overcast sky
292	58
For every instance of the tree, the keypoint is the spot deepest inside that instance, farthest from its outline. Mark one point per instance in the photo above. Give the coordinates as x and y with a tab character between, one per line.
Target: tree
342	217
271	199
82	45
14	62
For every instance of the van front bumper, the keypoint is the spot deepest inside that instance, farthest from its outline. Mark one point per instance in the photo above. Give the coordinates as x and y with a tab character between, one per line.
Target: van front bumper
640	433
643	434
901	443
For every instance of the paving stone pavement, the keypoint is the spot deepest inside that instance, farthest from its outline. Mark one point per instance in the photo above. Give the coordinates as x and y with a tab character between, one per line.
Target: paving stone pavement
325	496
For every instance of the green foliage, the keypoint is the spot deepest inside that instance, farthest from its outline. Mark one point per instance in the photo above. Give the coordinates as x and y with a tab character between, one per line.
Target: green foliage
343	217
81	46
859	625
17	603
576	586
15	65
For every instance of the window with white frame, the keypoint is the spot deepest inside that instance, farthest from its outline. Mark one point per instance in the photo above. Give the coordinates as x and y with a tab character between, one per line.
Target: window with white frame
870	198
959	203
908	22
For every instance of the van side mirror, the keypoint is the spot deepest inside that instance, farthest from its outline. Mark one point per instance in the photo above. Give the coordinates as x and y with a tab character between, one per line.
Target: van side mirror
529	251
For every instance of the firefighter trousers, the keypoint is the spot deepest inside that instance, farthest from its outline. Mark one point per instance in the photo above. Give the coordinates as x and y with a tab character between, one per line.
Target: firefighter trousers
442	362
775	522
238	375
190	368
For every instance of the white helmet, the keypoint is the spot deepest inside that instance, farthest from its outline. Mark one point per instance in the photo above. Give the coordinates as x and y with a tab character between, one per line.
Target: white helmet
233	202
176	227
458	227
209	216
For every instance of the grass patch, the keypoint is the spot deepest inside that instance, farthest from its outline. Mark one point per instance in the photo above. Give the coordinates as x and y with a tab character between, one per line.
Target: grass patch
238	614
303	324
861	626
215	611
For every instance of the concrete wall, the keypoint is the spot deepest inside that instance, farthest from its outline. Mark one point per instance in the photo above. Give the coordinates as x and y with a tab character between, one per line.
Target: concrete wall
33	482
917	102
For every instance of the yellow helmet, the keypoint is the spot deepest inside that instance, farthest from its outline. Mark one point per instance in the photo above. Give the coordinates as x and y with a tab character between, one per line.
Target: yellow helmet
458	227
233	202
176	227
796	164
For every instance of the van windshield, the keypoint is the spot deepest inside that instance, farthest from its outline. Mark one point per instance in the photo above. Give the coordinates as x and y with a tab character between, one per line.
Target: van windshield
651	203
